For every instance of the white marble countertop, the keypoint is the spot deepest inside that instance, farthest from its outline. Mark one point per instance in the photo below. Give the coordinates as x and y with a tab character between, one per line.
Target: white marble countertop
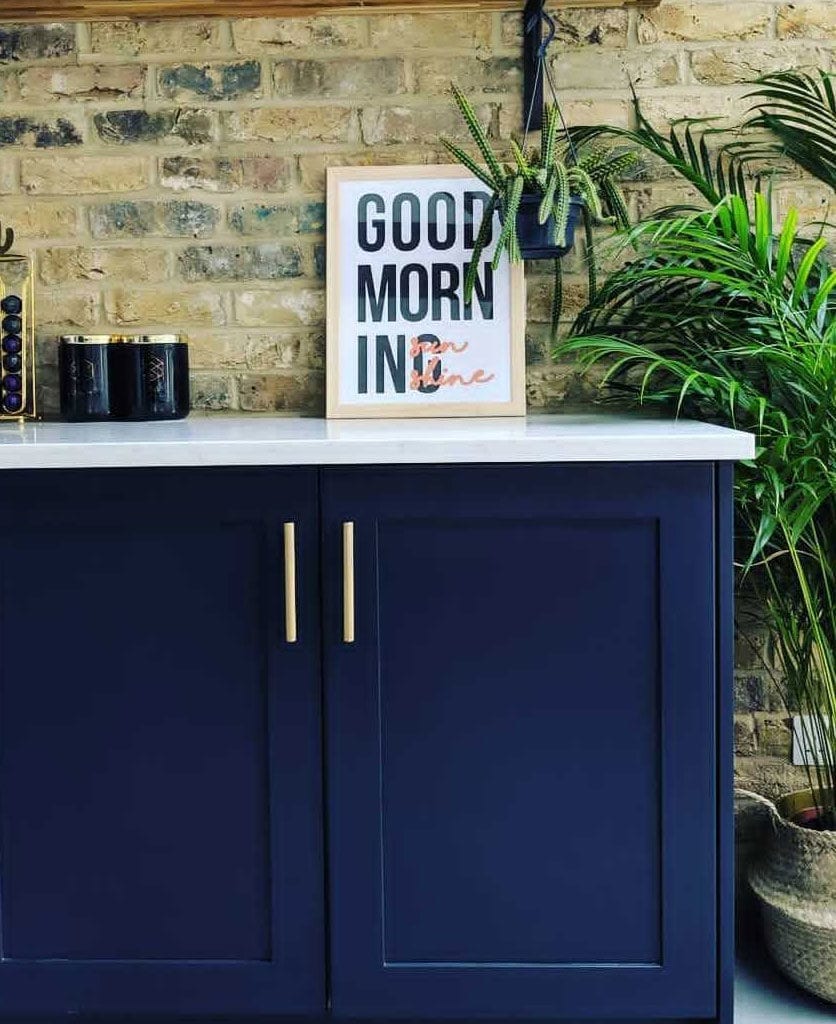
274	441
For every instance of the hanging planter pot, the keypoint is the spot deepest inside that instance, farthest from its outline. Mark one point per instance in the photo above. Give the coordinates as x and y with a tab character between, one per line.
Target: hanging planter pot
536	239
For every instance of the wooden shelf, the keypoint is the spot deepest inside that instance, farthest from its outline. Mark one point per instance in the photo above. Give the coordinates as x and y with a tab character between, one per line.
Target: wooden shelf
93	10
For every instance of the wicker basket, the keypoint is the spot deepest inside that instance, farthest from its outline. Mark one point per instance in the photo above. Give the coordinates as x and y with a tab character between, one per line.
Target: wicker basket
795	883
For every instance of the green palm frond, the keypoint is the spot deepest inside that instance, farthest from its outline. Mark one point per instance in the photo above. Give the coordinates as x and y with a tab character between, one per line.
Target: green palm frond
727	316
800	111
614	198
714	171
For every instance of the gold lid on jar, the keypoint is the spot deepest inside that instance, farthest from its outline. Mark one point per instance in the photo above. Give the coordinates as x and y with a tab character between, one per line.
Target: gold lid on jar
121	339
155	339
90	339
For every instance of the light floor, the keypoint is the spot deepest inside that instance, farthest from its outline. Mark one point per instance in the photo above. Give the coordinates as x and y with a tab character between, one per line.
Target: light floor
762	996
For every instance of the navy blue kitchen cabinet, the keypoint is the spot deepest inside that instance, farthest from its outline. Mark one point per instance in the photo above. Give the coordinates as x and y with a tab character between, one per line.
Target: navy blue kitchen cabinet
484	772
160	752
521	701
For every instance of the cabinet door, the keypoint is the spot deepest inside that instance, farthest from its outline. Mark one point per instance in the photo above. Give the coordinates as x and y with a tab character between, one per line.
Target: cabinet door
160	809
520	742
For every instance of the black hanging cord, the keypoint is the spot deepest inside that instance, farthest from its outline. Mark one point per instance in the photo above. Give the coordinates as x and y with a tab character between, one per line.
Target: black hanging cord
536	70
532	63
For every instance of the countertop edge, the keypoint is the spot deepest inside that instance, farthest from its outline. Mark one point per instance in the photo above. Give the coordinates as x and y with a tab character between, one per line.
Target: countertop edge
294	442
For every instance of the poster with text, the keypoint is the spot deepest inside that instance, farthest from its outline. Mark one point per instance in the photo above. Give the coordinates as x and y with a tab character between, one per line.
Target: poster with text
402	340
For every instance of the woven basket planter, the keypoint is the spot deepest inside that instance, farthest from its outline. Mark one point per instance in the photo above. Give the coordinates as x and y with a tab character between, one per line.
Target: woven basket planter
795	884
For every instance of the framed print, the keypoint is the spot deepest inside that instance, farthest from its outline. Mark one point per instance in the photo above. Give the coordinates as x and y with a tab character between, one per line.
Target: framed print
401	341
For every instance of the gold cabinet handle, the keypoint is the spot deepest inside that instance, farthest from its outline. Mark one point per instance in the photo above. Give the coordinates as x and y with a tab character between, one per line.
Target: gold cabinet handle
348	583
290	627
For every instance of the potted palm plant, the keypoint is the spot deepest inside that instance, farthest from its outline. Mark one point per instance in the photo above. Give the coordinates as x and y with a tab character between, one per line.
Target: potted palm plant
541	195
723	314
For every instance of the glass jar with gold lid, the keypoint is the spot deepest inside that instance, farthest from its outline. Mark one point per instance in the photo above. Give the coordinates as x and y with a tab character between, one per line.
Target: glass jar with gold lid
151	377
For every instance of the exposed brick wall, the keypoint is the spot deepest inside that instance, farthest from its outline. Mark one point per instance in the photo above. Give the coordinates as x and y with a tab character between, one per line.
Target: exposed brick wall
169	175
762	729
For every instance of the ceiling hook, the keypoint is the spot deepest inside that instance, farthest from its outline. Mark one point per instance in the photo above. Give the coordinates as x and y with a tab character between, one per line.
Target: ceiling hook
552	27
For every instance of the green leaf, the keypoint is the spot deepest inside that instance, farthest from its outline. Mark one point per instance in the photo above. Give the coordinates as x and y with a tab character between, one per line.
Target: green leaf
485	229
479	135
467	161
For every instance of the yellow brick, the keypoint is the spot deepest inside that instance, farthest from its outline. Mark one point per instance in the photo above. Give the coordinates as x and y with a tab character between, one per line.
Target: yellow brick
577	110
704	22
40	218
661	108
588	69
212	392
290	393
386	126
727	65
80	175
312	166
8	174
410	32
255	350
85	82
547	386
305	307
66	265
280	124
471	74
252	35
540	292
182	37
66	311
574	27
651	199
807	20
813	200
166	308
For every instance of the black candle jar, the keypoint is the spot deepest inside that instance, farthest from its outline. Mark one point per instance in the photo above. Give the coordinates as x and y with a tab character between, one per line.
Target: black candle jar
150	377
84	371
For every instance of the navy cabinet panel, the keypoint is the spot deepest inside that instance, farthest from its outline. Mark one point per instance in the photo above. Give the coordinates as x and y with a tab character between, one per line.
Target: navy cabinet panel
160	812
521	742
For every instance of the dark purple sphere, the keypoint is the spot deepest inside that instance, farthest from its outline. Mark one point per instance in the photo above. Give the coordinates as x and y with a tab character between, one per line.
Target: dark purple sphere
12	382
12	403
12	343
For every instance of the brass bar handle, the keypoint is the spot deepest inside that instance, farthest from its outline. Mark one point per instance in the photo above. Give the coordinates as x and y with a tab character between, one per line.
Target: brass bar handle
348	583
290	624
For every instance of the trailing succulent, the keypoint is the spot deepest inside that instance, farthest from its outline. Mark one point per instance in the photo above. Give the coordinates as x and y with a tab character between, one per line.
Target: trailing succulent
557	174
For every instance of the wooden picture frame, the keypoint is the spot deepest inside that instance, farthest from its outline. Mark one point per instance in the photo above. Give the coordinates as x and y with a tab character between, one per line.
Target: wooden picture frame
94	10
496	315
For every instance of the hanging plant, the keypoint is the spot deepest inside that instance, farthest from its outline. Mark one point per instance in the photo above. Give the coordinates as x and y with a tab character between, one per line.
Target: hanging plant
542	196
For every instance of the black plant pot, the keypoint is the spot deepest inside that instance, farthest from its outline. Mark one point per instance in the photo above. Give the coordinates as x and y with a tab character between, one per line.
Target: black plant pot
536	239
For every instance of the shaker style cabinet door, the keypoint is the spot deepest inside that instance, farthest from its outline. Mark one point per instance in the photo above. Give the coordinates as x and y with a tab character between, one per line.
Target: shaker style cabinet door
160	807
520	673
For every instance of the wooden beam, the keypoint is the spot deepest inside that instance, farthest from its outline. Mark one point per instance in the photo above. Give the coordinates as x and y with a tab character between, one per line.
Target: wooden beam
94	10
